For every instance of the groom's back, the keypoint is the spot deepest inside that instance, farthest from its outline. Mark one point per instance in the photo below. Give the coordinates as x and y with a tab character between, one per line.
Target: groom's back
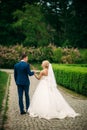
21	74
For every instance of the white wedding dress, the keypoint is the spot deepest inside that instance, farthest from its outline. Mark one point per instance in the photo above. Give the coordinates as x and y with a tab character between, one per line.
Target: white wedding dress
47	101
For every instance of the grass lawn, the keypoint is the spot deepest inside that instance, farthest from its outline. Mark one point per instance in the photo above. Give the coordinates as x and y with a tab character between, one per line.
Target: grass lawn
3	85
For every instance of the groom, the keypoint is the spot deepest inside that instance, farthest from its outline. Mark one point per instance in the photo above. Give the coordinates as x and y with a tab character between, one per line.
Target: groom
21	72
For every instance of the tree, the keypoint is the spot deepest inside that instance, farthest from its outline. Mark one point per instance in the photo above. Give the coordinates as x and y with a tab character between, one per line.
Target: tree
80	8
32	23
69	18
7	33
59	15
61	22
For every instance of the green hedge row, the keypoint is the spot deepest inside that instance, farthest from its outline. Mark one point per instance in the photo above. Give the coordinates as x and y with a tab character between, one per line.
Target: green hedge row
3	85
72	77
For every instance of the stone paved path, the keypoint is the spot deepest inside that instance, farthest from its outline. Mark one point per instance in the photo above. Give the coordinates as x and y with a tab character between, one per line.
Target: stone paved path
24	122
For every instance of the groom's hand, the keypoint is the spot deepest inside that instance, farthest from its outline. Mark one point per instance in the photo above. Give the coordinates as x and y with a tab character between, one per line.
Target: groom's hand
34	71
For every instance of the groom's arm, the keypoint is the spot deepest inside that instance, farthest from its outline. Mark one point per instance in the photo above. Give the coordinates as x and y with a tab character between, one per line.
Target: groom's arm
29	71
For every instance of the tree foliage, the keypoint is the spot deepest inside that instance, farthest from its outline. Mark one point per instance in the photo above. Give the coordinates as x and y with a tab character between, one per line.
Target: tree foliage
61	22
32	23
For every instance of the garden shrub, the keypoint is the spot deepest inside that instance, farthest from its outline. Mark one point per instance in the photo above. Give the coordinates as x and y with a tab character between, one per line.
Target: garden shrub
57	55
3	85
72	77
10	55
70	55
85	56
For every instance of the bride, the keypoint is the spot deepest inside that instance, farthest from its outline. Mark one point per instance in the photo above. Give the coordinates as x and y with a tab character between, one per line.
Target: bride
47	101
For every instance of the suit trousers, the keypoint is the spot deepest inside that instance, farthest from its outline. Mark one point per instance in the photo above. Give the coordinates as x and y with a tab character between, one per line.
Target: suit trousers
23	89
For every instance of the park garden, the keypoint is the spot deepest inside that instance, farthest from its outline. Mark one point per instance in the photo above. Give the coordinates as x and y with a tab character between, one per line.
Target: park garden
52	30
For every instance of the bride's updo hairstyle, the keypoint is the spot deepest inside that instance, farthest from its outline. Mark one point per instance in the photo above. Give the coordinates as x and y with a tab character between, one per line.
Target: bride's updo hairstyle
46	63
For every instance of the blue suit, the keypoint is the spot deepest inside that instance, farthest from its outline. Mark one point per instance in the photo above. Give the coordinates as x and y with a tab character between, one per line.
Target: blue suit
21	72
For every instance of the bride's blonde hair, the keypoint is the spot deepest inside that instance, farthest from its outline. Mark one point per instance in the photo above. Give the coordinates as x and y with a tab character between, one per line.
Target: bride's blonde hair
46	63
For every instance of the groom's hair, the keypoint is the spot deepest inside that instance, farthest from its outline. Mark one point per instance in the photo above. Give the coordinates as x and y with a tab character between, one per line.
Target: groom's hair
23	56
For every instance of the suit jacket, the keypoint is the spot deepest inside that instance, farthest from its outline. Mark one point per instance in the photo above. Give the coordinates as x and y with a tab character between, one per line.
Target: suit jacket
21	72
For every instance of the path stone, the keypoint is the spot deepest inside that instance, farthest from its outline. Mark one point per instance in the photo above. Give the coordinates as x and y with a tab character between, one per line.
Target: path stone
24	122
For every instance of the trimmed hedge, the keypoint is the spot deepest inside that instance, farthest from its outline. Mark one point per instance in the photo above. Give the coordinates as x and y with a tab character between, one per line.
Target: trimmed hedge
72	77
3	85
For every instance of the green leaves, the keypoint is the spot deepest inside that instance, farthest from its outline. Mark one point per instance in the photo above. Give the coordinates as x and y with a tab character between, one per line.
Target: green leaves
3	85
72	77
32	23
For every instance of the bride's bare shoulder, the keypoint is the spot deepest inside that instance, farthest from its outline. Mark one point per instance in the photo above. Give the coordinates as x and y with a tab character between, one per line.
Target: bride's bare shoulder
44	72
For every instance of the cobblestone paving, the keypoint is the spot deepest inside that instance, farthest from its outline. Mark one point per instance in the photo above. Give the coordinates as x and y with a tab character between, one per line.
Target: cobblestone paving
24	122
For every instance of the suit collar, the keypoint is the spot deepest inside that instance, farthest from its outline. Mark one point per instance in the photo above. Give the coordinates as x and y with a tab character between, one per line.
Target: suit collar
22	60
